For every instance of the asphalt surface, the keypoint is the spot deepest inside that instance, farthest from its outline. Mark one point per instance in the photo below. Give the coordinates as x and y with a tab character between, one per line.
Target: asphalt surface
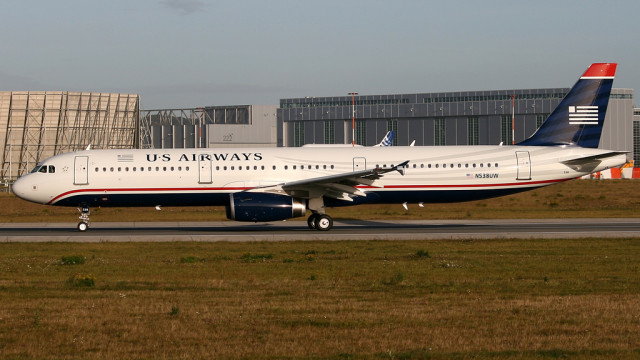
297	230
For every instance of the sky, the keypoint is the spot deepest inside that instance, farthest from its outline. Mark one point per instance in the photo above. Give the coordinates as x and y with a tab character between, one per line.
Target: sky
193	53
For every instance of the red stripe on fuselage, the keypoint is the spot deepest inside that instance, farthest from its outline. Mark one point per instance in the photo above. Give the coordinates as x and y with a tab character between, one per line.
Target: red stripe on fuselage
107	191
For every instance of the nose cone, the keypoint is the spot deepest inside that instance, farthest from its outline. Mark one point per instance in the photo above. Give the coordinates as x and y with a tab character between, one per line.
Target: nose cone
25	189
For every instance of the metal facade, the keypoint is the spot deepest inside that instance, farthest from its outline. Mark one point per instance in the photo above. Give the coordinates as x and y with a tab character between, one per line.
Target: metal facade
38	124
212	126
441	118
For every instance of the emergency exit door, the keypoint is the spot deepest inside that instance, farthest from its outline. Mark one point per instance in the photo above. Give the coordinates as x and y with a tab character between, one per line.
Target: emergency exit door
524	165
359	163
204	165
81	170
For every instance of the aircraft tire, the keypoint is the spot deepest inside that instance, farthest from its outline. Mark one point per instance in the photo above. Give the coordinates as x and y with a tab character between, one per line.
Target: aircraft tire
83	226
311	221
323	222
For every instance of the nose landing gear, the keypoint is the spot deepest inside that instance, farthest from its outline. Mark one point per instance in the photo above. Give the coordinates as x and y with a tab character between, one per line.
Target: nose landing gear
83	225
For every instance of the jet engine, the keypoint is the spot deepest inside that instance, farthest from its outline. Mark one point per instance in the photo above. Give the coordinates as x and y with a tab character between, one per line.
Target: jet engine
258	207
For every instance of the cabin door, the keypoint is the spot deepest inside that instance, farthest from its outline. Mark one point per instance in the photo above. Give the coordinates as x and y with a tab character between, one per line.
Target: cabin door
81	170
205	170
524	165
359	163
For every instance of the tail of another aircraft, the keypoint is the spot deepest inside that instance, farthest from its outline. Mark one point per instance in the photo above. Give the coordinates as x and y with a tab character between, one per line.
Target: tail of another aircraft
388	139
579	118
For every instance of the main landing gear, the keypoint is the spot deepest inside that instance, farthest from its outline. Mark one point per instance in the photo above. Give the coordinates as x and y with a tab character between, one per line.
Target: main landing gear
322	222
83	225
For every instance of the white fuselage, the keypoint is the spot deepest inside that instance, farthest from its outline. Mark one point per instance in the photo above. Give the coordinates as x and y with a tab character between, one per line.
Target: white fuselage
183	177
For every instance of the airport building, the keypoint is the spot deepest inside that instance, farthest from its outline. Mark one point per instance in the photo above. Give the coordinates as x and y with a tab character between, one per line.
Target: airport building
211	126
450	118
35	125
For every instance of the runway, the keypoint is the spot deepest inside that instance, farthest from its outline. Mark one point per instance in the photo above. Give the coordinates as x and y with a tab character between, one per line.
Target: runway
342	230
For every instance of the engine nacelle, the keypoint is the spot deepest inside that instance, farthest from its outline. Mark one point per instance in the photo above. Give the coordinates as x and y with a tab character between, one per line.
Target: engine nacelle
247	206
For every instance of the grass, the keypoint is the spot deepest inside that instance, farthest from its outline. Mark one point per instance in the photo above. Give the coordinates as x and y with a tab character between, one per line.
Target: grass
577	198
504	299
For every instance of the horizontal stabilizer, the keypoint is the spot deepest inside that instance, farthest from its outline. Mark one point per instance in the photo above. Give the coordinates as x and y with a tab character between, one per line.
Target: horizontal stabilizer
588	163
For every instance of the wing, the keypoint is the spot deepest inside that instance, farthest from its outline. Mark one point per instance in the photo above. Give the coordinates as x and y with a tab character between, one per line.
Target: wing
338	186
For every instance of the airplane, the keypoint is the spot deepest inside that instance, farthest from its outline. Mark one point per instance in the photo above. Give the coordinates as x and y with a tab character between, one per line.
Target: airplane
387	140
272	184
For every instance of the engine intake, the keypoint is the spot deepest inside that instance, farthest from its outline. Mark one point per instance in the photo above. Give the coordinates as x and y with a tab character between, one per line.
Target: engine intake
263	207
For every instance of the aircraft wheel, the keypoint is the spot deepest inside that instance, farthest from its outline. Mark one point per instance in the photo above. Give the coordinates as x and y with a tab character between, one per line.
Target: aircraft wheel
83	226
311	221
324	222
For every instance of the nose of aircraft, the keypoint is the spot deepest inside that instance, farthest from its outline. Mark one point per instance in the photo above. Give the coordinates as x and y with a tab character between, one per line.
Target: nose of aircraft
23	189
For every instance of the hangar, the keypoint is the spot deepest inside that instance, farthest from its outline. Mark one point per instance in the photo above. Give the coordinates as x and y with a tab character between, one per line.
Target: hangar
450	118
35	125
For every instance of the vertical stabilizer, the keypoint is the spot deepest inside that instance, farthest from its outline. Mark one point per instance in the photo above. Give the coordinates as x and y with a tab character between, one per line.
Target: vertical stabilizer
578	119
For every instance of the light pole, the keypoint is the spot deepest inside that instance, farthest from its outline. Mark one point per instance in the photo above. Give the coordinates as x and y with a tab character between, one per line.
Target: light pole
353	118
513	119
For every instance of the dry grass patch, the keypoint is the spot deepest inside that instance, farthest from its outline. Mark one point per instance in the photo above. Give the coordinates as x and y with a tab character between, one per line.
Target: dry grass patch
355	300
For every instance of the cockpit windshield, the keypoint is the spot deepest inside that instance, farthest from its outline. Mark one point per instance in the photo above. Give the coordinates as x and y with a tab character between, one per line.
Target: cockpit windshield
44	169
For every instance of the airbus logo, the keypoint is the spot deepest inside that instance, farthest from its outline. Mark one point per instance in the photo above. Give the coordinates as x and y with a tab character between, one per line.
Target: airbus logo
583	115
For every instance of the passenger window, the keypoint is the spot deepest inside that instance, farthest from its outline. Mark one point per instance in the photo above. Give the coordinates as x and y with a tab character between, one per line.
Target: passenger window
97	169
186	168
